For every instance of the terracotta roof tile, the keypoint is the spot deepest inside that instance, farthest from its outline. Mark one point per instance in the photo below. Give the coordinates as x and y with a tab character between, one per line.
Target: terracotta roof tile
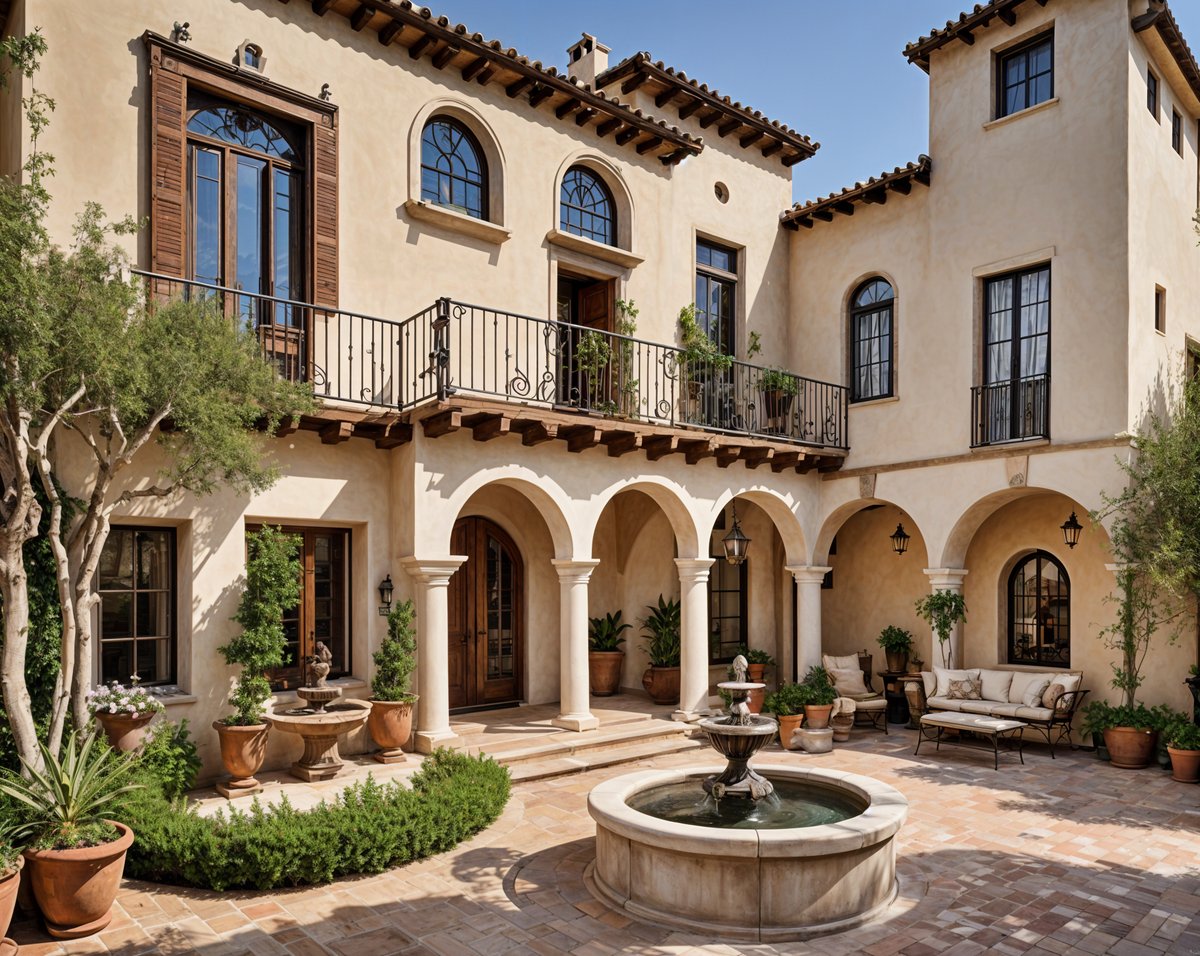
874	189
980	16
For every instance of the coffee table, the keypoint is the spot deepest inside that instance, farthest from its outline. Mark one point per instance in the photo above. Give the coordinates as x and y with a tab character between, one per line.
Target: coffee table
995	729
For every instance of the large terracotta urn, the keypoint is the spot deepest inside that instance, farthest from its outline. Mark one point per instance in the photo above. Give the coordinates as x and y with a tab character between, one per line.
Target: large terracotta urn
816	716
390	724
75	889
604	672
662	684
788	725
125	732
755	673
9	883
243	750
1130	748
1185	767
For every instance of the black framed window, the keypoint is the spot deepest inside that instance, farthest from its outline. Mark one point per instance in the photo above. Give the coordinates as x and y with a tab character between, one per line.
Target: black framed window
1026	76
453	171
727	603
1176	132
1039	612
716	293
1016	355
1160	309
1152	93
136	585
871	340
586	207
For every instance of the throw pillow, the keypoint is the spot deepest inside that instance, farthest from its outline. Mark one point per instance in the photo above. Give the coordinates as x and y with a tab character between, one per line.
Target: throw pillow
996	684
944	677
848	662
848	682
964	690
1061	685
1034	692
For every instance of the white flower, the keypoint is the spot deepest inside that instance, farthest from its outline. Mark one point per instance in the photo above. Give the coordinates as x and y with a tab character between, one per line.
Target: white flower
112	708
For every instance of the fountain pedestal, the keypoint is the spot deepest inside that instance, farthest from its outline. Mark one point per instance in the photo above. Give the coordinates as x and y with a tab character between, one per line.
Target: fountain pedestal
737	738
320	727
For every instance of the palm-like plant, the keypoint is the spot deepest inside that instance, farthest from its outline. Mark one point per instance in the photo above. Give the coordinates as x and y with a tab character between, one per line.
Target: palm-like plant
604	633
64	804
662	624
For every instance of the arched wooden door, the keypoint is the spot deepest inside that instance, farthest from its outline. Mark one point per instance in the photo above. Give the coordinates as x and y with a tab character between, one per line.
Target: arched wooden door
487	596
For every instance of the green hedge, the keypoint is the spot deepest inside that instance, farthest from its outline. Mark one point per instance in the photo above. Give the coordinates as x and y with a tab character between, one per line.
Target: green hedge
370	828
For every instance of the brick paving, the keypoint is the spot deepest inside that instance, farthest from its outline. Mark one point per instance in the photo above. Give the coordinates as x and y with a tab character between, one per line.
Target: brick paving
1066	856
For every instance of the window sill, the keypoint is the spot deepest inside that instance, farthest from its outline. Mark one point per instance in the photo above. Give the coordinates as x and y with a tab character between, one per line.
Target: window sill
173	697
1001	121
596	250
456	221
1011	444
345	683
869	402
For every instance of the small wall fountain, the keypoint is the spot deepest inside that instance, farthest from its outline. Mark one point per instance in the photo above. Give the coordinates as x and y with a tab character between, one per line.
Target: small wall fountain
786	853
317	723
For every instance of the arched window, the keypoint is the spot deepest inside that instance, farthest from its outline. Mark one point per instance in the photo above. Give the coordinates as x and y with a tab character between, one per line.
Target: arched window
1039	612
453	171
586	207
871	340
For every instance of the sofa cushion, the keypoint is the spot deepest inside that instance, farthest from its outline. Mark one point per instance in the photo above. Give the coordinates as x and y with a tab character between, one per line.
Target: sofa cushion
964	690
848	681
1034	713
847	662
1021	681
991	708
871	704
944	677
996	684
930	683
944	703
1061	685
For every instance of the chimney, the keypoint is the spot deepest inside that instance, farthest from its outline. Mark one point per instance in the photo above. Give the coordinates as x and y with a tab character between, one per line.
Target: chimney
587	59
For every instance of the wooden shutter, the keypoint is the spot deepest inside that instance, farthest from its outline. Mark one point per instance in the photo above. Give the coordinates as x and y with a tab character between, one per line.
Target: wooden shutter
168	142
325	212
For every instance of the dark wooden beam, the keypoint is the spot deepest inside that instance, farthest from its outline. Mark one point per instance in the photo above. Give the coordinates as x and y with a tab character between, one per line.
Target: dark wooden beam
902	186
443	423
753	457
420	46
1008	14
845	208
536	432
519	86
539	94
361	17
751	138
321	7
676	157
390	31
580	437
634	82
621	442
665	97
336	432
784	460
485	426
967	37
728	127
877	196
772	149
445	55
567	107
659	446
695	451
922	176
709	118
626	135
486	76
792	160
395	435
689	108
474	68
608	126
806	222
727	455
652	143
823	214
584	115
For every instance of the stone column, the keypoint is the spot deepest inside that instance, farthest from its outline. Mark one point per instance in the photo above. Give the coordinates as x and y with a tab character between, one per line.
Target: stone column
947	579
574	690
693	632
433	649
808	615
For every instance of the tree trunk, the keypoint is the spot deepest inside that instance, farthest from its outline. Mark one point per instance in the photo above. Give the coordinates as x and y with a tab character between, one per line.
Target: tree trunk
17	704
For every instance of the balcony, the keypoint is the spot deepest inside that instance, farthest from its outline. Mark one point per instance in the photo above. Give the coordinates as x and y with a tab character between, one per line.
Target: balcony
458	360
1010	411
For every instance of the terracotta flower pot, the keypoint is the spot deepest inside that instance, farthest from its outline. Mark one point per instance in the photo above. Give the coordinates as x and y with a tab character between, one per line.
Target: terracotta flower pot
755	674
816	716
125	732
842	725
243	750
1130	748
390	724
75	889
662	684
1185	767
788	725
8	899
604	672
897	661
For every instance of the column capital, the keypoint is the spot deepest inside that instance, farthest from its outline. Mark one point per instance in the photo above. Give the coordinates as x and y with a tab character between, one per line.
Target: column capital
694	569
808	573
946	579
574	571
433	571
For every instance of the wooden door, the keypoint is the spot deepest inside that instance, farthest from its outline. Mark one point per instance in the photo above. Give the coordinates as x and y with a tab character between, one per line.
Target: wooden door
590	304
486	631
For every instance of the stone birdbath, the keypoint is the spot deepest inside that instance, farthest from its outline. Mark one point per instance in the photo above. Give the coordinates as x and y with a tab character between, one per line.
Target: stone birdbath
321	722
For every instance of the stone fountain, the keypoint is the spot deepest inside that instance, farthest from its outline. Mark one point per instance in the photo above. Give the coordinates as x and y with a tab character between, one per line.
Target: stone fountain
786	852
317	723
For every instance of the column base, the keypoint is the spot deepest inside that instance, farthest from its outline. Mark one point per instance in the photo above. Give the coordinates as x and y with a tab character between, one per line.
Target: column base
578	722
427	741
690	716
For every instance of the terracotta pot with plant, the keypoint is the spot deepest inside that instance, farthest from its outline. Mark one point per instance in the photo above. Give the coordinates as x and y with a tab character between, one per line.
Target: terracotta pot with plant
1130	733
124	713
1183	744
942	610
74	855
757	662
787	704
272	585
10	881
896	643
605	657
661	625
391	717
820	697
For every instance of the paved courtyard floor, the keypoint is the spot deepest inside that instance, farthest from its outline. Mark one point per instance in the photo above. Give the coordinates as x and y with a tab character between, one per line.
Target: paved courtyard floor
1063	856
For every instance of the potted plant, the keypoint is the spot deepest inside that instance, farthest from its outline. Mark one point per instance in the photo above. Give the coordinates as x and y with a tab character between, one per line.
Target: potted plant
896	643
74	856
124	713
779	390
699	356
605	656
841	718
820	697
757	662
1130	733
661	625
628	387
1183	744
272	586
593	356
942	610
390	719
11	862
787	704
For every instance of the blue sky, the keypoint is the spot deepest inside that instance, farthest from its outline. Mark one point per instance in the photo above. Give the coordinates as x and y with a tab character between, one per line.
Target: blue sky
832	70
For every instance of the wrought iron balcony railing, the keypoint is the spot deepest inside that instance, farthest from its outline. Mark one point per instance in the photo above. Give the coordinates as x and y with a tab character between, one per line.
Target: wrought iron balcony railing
1014	410
454	348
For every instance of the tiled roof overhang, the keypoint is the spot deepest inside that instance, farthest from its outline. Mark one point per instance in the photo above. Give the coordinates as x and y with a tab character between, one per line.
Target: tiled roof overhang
874	191
671	87
964	28
451	47
1160	19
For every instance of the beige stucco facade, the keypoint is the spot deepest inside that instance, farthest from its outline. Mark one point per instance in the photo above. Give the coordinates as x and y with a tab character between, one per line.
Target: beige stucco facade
1086	182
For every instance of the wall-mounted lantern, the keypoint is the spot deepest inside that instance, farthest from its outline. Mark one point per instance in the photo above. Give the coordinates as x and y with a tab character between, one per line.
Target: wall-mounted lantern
1070	529
385	596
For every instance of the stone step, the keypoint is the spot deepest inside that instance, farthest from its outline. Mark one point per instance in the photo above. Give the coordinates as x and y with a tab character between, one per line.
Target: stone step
525	771
572	744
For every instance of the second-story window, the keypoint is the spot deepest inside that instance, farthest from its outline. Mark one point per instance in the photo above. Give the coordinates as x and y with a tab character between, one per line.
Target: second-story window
586	207
453	172
716	293
1177	132
871	340
1016	356
1026	76
1152	93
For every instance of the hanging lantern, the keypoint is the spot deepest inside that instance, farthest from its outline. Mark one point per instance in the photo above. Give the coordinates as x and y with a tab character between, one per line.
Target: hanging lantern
736	543
1070	529
900	539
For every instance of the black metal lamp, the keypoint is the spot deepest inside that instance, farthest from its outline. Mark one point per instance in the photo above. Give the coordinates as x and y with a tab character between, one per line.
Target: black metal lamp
1070	529
900	539
385	596
736	543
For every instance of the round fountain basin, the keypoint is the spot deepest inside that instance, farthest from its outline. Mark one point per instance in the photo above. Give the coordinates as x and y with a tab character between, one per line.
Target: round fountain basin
793	805
746	882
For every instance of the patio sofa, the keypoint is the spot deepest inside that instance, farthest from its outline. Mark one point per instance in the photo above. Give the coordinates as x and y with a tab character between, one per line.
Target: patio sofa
1047	701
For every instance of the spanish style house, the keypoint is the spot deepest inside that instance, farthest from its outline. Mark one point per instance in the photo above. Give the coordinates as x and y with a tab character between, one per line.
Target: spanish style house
479	263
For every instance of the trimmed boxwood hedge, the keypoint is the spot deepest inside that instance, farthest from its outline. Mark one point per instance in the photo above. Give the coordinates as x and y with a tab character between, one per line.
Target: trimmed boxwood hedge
369	828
